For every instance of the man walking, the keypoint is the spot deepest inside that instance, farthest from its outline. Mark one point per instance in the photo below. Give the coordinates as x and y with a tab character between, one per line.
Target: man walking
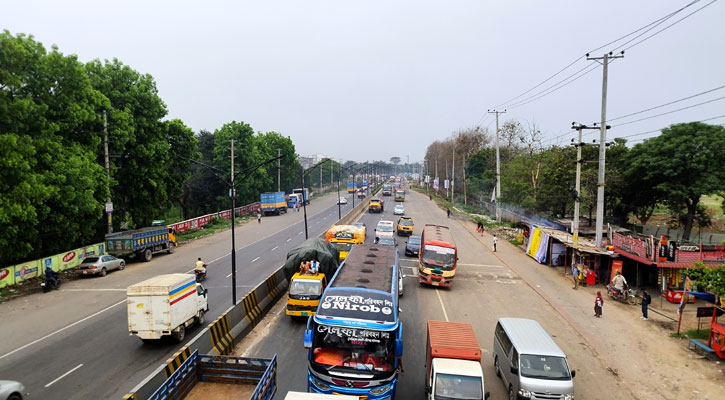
646	299
495	240
448	211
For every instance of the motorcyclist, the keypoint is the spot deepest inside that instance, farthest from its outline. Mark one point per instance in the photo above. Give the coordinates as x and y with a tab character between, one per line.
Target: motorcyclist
618	283
51	276
200	267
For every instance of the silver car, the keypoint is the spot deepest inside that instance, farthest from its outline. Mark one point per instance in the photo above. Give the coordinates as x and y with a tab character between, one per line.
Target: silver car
399	210
100	265
11	390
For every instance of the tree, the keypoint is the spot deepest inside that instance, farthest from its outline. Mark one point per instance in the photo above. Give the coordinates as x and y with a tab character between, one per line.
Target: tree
684	163
467	142
289	164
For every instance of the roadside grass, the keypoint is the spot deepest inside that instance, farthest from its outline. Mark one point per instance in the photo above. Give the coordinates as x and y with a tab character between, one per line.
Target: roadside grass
469	211
691	334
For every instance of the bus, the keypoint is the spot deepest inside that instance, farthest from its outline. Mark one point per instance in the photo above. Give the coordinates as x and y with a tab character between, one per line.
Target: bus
400	195
438	256
355	340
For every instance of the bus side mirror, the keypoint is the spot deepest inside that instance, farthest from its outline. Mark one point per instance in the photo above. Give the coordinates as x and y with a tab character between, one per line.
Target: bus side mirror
308	339
514	370
398	347
573	373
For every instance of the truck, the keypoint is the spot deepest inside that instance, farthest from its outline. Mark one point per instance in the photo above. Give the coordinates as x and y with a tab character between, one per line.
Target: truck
376	205
343	237
165	305
294	200
387	189
212	377
351	187
273	203
400	195
453	362
305	194
141	243
305	289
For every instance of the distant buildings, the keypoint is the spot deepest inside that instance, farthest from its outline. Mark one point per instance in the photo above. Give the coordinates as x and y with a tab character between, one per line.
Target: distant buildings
309	161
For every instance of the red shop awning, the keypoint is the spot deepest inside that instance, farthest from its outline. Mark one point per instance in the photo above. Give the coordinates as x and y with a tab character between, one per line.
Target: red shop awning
634	257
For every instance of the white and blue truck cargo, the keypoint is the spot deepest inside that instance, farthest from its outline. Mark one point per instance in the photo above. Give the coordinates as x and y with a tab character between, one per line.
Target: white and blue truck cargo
165	305
273	203
141	243
305	194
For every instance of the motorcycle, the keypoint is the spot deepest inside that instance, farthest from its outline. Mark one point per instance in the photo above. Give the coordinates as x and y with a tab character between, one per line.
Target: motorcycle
625	295
200	275
50	284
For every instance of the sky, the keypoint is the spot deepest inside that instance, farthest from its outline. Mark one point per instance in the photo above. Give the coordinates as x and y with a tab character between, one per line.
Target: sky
369	80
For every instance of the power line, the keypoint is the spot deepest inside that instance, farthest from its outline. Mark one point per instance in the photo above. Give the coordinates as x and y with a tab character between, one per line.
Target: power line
673	111
669	26
553	88
543	82
667	104
658	130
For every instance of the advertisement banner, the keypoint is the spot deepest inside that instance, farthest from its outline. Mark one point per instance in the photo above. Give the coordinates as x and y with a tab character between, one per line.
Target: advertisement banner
616	267
53	262
27	270
534	242
70	259
7	276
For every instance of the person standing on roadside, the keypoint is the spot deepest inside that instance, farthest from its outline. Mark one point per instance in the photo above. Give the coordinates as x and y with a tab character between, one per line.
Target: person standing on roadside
646	299
598	303
495	240
448	211
479	227
575	276
259	217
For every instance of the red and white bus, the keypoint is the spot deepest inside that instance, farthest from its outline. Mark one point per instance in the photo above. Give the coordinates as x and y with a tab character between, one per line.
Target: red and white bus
438	256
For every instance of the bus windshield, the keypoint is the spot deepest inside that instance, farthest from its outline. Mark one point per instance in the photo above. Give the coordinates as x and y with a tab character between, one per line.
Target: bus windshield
361	350
438	257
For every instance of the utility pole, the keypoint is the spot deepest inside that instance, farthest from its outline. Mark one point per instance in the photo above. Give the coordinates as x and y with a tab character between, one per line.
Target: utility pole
279	164
577	190
602	144
498	163
453	176
108	168
234	252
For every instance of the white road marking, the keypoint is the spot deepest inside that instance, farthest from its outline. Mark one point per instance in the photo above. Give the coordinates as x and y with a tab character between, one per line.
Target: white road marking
274	248
445	314
255	259
64	375
229	275
299	233
289	239
62	329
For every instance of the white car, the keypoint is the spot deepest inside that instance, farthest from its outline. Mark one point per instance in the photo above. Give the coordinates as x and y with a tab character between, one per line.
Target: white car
399	210
342	200
11	390
384	229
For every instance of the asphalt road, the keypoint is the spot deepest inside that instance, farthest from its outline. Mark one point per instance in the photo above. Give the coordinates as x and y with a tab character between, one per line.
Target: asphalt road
486	288
74	343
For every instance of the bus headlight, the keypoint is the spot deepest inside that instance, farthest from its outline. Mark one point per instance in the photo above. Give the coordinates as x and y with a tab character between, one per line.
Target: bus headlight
525	393
380	390
319	383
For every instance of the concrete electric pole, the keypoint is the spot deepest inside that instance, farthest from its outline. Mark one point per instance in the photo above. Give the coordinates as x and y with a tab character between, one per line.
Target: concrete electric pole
577	189
498	163
602	145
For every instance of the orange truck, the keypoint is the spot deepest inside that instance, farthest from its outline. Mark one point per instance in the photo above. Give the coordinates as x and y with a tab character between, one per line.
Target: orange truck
453	362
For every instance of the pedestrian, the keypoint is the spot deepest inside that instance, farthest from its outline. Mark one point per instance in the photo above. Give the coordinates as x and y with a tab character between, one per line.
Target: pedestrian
495	240
646	299
478	226
448	211
598	303
259	217
575	276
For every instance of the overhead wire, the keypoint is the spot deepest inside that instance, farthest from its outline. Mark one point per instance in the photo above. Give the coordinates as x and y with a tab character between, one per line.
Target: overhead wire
563	83
667	104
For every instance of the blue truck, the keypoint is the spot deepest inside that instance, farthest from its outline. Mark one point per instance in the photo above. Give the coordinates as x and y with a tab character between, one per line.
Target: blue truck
141	243
273	203
256	378
351	187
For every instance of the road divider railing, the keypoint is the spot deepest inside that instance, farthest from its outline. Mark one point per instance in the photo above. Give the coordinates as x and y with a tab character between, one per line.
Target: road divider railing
232	325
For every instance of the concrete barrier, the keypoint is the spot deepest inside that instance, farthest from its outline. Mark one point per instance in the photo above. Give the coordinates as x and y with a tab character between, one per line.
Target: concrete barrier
235	323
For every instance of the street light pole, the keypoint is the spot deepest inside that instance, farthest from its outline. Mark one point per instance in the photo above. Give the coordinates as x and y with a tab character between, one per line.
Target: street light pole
304	203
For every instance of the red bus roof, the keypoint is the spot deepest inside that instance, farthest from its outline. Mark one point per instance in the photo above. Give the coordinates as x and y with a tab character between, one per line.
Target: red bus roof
438	235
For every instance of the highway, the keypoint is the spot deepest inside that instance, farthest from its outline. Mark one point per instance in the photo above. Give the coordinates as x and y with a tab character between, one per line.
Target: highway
74	343
487	287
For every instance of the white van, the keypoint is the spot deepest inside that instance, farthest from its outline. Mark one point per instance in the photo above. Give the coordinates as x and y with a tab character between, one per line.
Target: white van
528	361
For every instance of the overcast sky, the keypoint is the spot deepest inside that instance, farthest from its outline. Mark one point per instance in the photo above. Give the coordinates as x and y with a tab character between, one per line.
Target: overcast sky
368	80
